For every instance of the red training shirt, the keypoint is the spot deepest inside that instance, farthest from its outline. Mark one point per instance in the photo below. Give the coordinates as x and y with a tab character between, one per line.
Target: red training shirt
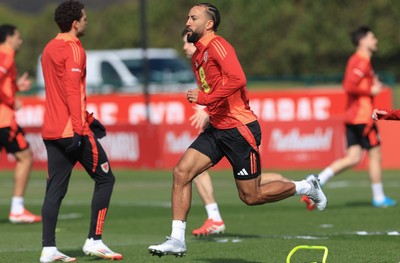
357	83
64	72
8	86
222	83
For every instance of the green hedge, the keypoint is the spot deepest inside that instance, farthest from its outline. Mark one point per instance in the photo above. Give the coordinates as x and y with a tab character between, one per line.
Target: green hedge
271	37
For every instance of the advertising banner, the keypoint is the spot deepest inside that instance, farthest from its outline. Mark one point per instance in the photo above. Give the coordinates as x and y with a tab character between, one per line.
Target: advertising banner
302	128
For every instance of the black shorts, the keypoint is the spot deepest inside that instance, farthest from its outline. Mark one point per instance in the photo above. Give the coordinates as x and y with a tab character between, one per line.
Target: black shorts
13	139
239	145
355	136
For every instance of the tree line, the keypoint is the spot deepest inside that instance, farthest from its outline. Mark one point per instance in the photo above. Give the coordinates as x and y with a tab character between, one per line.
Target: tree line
271	37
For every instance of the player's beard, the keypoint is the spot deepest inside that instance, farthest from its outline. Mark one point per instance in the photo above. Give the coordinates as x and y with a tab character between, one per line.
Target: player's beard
193	38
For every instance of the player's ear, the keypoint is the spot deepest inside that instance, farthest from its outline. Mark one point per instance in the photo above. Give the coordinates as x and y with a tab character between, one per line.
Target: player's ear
75	24
210	24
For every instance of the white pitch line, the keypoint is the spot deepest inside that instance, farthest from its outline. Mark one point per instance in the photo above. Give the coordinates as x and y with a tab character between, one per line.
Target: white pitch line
125	203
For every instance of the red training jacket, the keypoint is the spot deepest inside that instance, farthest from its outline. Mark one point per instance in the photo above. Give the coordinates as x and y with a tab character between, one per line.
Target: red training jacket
8	87
64	71
222	83
357	83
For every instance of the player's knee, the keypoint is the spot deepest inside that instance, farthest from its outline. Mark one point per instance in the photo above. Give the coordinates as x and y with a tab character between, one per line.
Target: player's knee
107	180
112	179
354	160
181	176
25	156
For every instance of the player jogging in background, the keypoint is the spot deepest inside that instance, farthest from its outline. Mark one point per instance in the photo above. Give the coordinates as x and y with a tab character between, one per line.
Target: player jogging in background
12	137
361	86
71	135
233	132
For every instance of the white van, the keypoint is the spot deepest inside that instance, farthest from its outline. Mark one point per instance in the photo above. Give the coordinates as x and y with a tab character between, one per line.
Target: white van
168	72
121	70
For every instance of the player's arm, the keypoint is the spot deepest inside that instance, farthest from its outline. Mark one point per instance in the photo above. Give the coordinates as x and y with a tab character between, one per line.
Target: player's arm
381	114
5	98
24	83
354	77
200	118
74	67
233	75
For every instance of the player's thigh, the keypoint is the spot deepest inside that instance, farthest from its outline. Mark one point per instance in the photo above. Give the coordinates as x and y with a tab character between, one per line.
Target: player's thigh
94	159
58	161
59	167
191	164
206	143
24	155
243	157
248	188
354	153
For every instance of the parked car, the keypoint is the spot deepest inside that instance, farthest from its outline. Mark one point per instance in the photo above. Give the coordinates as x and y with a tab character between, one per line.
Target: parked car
167	71
122	70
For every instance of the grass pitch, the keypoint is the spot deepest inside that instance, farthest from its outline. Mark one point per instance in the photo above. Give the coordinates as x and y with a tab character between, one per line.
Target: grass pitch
140	215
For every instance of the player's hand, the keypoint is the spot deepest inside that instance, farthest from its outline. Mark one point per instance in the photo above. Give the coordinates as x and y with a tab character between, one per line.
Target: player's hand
192	95
18	104
377	114
98	129
377	86
76	143
200	118
24	83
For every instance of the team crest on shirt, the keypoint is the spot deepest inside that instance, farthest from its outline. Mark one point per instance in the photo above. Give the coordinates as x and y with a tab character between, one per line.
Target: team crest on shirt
105	167
205	57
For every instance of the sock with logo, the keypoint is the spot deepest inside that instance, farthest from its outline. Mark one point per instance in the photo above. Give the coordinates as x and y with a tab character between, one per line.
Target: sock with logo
325	175
302	187
17	205
377	192
213	212
178	230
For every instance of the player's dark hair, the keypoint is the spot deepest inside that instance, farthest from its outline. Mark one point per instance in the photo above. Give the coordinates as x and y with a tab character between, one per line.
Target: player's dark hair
5	31
358	34
213	13
66	13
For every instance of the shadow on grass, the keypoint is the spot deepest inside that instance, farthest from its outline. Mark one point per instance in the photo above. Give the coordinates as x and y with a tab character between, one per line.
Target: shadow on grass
225	237
359	204
4	221
214	238
226	260
78	253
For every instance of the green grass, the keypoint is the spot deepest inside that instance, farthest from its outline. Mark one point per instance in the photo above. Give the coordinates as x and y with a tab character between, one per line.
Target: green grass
140	215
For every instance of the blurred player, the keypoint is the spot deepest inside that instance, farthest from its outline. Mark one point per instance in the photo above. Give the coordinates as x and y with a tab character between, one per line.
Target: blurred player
361	86
233	132
12	136
389	115
71	134
200	119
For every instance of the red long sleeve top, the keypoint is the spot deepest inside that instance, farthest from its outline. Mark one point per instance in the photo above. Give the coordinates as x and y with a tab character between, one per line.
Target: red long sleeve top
8	86
222	83
64	71
357	83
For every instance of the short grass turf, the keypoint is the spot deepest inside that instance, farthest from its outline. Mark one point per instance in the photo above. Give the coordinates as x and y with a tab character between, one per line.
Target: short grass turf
140	215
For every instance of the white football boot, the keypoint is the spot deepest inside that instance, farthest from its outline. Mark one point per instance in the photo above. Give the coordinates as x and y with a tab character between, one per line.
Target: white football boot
316	194
99	249
54	255
172	246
